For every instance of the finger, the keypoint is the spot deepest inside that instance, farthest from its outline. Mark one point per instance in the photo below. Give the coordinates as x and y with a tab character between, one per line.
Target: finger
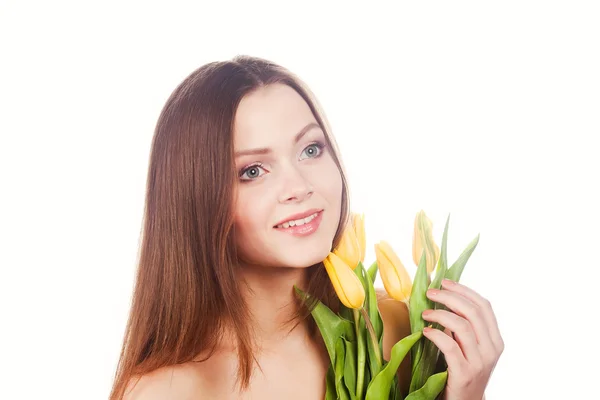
485	306
452	353
449	333
468	310
462	329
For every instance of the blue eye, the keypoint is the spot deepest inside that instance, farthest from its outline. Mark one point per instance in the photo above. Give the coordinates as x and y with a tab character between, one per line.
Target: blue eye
310	149
251	171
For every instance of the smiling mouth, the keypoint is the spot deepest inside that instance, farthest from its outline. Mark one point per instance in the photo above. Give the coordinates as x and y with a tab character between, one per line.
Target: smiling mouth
297	222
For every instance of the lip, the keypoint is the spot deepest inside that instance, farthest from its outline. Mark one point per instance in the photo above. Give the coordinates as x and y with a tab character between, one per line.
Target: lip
299	216
303	230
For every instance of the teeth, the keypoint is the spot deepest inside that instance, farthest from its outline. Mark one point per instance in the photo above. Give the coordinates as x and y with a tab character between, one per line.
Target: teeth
297	222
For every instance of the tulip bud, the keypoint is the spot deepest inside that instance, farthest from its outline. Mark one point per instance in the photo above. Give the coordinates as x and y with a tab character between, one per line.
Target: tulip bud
358	222
349	247
423	241
348	287
395	278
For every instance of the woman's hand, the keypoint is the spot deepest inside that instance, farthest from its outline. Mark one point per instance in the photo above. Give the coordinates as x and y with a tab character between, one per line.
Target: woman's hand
475	345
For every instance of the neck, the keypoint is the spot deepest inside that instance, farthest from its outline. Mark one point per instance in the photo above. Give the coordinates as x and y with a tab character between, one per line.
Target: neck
269	295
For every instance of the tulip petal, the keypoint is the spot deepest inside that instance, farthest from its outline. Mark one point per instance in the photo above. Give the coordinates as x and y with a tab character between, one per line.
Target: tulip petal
395	278
348	249
358	222
345	282
423	241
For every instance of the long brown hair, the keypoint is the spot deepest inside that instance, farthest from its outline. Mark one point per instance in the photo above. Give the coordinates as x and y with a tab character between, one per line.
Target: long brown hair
185	284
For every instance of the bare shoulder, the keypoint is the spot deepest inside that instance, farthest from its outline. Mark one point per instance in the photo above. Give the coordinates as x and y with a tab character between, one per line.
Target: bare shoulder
177	382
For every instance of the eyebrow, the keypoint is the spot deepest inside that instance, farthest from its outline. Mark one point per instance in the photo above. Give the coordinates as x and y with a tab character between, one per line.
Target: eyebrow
266	150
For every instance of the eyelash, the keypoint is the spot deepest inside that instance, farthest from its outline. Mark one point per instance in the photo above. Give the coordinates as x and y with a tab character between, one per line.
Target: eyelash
318	144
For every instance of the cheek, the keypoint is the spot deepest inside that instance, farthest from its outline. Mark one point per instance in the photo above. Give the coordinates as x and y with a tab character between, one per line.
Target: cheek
330	182
251	215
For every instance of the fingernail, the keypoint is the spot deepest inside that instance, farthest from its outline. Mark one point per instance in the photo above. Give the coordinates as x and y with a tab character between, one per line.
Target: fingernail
427	312
448	282
426	330
432	292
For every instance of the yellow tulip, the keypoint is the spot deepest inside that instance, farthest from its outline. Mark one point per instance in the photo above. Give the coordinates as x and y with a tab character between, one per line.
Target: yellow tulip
395	278
349	248
358	222
348	287
423	241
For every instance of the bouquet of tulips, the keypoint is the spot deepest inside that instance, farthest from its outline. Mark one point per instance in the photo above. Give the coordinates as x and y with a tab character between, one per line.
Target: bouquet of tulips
353	336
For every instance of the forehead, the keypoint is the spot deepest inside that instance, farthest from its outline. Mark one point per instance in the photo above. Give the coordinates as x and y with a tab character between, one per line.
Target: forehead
274	111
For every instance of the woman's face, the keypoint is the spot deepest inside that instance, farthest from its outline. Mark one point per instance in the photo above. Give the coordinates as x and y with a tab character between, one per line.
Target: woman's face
285	172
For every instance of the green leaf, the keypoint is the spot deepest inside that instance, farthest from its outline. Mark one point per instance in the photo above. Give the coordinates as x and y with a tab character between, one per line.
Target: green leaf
340	358
361	358
371	306
430	351
350	368
375	351
330	394
331	326
417	304
442	266
380	386
372	271
396	392
431	389
418	298
346	312
456	269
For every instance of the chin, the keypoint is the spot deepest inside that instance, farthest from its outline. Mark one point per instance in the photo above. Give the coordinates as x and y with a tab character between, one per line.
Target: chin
303	259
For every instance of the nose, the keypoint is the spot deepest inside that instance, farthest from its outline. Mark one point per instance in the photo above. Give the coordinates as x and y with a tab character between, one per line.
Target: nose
296	187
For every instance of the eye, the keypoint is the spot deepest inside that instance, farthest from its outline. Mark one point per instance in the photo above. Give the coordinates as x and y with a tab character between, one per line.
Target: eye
252	172
314	150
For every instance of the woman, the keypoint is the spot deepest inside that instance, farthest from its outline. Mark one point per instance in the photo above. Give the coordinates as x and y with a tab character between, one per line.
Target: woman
246	196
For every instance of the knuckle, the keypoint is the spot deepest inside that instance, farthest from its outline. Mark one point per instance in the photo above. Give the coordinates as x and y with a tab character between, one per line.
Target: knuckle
491	363
475	311
480	311
464	325
501	347
489	360
486	303
456	351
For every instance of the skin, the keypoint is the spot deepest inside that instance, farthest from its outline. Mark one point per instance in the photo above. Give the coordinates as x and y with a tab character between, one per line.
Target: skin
281	379
473	351
294	177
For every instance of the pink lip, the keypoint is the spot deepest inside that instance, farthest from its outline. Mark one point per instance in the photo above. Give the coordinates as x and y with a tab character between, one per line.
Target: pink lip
299	216
306	229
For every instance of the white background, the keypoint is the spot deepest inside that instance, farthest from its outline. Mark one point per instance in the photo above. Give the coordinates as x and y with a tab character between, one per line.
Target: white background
487	112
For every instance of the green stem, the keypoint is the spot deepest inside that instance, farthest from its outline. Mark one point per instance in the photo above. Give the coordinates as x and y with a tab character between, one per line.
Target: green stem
361	356
372	335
